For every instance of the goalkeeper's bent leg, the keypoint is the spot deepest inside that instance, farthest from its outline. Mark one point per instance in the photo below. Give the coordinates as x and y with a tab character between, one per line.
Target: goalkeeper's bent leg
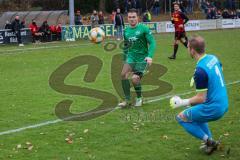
192	127
205	128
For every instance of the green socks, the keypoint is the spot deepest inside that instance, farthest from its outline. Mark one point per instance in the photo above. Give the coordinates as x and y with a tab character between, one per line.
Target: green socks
126	88
138	89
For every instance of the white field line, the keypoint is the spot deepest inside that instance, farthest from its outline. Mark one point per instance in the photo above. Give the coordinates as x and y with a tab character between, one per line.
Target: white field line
45	46
9	51
108	109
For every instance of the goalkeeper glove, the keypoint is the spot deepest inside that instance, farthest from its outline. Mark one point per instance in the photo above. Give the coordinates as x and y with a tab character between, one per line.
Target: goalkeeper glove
176	102
148	60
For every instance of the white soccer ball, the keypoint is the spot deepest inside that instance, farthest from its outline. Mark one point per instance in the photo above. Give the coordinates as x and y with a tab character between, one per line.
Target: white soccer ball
96	35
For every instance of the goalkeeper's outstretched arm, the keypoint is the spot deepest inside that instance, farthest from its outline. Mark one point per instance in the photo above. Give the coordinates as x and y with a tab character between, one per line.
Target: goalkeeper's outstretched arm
199	98
176	102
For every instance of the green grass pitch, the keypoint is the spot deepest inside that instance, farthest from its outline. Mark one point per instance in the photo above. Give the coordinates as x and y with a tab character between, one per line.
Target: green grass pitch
150	133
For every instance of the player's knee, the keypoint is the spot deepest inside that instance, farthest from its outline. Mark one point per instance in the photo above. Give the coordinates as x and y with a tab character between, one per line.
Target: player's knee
181	117
124	75
135	79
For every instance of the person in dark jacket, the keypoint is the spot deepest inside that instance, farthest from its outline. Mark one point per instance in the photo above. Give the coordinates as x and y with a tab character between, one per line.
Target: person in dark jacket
78	18
225	14
156	7
23	24
101	18
94	19
45	30
8	25
119	24
16	28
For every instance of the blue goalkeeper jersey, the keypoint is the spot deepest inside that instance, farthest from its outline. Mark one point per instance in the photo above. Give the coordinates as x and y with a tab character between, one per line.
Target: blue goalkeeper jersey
209	76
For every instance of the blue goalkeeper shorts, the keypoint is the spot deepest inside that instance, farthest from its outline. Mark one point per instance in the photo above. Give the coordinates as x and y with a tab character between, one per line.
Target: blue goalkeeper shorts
204	113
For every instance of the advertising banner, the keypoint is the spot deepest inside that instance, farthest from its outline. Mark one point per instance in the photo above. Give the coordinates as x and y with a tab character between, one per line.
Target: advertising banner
190	26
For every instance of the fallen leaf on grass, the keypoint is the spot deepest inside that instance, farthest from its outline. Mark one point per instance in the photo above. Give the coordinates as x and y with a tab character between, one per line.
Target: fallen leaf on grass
69	140
85	131
71	134
30	148
165	137
28	143
136	128
19	146
226	134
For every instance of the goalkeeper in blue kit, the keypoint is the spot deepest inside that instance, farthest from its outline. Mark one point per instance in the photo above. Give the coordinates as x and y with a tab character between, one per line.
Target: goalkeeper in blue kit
211	101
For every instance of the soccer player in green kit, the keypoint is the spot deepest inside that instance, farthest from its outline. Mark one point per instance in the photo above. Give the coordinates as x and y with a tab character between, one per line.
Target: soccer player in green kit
139	48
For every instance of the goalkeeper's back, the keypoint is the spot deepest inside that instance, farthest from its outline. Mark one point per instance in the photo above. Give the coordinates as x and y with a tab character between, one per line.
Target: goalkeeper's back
216	90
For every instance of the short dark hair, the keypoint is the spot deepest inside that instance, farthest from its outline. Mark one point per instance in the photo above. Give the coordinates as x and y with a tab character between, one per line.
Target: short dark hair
133	10
176	3
197	43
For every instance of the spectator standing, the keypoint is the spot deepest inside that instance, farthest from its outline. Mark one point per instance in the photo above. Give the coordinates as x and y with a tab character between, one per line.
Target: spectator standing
230	4
113	17
233	14
78	18
225	14
129	5
156	7
238	13
119	24
126	5
190	6
139	7
204	7
133	4
101	17
94	19
182	5
8	25
147	16
219	14
23	24
16	27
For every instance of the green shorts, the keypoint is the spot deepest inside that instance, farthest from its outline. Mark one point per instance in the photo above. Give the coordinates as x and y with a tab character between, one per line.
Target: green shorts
139	65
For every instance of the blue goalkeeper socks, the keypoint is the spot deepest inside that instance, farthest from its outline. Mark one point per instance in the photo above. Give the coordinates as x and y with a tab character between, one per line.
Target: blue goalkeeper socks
206	130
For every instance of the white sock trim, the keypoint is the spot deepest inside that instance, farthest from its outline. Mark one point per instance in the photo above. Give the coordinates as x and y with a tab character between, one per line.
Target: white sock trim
205	138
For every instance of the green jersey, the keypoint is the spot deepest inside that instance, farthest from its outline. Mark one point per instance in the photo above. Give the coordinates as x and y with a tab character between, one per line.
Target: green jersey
139	43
